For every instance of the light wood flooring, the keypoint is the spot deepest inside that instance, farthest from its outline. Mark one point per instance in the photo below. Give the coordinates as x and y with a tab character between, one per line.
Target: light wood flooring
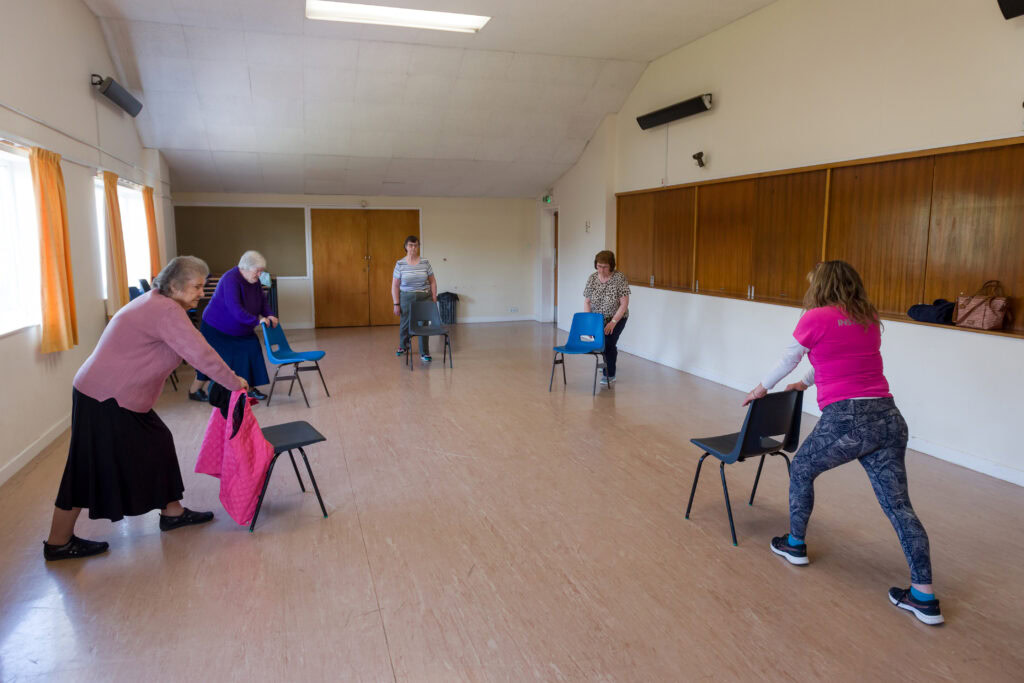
483	529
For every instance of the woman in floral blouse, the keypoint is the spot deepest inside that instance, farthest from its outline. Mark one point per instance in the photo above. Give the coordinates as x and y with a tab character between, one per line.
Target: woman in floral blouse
607	293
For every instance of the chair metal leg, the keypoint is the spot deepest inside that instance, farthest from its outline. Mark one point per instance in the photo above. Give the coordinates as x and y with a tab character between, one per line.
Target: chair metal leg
554	362
259	503
313	479
756	479
786	458
728	508
317	364
270	397
302	388
693	488
597	364
174	379
296	468
448	352
295	374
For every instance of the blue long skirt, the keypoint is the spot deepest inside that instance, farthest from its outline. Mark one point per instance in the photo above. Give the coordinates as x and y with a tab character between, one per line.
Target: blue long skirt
243	354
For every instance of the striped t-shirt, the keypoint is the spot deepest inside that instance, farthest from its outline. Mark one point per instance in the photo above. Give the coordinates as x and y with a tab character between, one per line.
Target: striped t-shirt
414	278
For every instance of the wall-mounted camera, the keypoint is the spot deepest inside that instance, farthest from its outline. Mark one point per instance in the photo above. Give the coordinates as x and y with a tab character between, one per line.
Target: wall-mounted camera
699	158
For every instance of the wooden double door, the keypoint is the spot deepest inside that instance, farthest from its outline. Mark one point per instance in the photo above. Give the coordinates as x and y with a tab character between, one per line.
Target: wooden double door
354	254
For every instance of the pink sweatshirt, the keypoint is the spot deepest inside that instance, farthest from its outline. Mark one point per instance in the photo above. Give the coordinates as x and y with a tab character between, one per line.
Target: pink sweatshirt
140	347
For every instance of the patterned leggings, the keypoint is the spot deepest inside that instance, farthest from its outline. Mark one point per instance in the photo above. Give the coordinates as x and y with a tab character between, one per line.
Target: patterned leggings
872	431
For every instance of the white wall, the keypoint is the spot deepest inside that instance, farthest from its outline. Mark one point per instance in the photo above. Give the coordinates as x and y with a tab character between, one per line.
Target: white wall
485	250
48	48
797	83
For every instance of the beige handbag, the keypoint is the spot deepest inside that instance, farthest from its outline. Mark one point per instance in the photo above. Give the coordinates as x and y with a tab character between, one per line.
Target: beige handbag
988	309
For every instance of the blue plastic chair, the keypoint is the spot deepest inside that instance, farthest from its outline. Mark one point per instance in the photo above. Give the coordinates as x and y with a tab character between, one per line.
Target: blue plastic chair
280	354
774	415
586	335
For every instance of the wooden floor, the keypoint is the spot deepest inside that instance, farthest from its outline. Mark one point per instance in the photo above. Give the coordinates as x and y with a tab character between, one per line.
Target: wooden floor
483	529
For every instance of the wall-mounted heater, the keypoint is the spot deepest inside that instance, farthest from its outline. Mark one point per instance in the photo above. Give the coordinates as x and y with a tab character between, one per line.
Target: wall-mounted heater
694	105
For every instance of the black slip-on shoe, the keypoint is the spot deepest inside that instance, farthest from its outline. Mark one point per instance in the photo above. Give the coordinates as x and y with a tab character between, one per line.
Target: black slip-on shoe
257	394
184	519
926	611
199	396
794	554
75	548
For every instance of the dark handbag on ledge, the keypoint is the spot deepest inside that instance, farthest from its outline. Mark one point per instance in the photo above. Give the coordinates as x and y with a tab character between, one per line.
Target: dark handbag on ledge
939	312
988	309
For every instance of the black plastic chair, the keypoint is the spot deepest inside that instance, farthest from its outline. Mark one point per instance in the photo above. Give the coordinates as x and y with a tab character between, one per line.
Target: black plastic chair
425	321
288	437
774	415
144	283
134	293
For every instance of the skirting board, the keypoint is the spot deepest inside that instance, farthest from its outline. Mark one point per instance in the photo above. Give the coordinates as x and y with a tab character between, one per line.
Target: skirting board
971	462
34	449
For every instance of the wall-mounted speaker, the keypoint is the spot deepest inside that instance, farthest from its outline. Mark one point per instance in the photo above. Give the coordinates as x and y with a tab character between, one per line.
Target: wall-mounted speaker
1011	8
694	105
117	94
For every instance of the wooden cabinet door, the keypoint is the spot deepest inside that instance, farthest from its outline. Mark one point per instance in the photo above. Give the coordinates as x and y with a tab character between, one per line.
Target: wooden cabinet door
386	233
340	267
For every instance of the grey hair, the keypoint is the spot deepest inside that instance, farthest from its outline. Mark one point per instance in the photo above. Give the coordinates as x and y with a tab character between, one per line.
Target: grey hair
251	260
177	273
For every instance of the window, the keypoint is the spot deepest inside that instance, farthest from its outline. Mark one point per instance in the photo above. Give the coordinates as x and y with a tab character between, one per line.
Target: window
19	235
133	228
136	234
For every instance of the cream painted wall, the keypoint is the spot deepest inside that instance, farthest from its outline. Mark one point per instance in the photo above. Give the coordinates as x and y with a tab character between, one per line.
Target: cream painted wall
48	48
485	250
797	83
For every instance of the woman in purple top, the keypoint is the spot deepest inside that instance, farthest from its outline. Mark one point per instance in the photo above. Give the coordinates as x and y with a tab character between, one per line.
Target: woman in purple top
238	305
121	461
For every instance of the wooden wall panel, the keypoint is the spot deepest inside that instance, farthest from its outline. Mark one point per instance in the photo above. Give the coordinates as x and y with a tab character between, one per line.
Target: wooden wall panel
673	239
635	237
221	234
724	232
789	216
878	222
977	227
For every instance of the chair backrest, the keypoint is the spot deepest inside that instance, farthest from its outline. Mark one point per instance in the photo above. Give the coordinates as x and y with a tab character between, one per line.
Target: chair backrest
134	293
424	314
584	326
774	415
274	339
144	283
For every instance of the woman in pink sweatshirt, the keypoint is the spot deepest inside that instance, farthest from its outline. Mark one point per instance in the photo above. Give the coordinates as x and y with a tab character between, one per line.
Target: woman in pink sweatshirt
121	460
841	334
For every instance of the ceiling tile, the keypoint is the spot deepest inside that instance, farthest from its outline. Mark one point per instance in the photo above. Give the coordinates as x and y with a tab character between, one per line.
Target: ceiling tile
276	82
484	64
274	49
379	87
331	53
215	43
221	79
329	83
435	61
387	57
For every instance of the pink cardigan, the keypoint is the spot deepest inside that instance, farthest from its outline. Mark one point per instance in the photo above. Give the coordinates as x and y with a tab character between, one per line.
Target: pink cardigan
140	347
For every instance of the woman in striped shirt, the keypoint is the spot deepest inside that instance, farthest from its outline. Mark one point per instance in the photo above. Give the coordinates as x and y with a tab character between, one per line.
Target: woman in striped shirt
413	280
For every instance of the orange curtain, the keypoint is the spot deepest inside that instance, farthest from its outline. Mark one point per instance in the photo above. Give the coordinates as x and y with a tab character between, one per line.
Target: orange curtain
117	269
155	264
57	285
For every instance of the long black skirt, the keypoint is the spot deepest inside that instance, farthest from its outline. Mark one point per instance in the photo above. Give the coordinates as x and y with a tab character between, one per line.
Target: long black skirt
244	355
121	463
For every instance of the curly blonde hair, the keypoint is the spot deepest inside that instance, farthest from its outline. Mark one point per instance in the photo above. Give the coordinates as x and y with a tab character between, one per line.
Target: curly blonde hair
836	283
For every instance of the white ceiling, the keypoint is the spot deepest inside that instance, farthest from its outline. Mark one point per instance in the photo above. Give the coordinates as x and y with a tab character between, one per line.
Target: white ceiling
250	96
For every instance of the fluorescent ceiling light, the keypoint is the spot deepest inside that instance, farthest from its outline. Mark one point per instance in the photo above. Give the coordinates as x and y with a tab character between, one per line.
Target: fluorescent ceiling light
394	16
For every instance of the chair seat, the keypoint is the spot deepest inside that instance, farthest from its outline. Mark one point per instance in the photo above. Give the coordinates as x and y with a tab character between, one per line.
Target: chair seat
285	437
722	446
429	331
577	348
279	357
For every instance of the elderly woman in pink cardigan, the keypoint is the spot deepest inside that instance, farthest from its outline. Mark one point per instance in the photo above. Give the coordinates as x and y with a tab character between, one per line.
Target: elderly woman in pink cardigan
122	459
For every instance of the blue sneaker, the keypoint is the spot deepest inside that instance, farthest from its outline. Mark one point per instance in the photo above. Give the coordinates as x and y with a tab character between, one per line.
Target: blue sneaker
425	358
926	611
794	554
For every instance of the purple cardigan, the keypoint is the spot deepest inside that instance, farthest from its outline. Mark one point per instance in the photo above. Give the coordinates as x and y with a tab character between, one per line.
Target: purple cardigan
236	305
